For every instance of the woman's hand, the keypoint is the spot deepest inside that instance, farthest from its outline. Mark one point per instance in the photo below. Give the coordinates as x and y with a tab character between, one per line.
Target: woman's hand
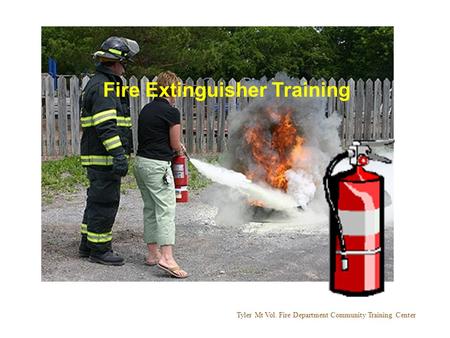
174	135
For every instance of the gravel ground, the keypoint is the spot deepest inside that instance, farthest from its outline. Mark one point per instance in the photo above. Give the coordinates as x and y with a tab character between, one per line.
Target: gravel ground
207	250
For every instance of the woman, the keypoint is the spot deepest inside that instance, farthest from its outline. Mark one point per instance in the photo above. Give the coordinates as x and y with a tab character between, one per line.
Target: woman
159	140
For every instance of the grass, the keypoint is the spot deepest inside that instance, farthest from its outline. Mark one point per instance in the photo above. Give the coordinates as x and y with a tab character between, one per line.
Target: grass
196	180
67	176
62	176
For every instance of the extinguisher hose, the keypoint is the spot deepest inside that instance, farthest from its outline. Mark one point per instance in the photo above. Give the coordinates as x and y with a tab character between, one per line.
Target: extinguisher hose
333	208
183	149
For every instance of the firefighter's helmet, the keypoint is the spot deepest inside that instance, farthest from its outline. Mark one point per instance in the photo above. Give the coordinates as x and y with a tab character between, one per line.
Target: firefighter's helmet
117	49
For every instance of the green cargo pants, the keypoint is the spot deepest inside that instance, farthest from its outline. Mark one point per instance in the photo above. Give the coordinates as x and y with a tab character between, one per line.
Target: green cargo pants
155	181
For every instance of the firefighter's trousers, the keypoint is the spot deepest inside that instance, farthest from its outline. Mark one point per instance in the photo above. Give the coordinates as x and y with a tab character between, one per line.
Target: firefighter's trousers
103	197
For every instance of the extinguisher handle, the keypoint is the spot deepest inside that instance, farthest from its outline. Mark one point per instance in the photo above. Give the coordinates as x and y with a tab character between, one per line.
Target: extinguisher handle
187	156
374	142
183	150
379	158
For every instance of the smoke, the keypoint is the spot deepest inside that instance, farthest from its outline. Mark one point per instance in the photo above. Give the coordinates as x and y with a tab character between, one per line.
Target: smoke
319	143
319	134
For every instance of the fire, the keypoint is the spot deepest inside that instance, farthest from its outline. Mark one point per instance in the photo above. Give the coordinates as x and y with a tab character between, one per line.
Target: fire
277	153
256	203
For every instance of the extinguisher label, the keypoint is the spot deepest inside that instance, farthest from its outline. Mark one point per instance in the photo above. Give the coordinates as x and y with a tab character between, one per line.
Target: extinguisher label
178	170
178	174
360	223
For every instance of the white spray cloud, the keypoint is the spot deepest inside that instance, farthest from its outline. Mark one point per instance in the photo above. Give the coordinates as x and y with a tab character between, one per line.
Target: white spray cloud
272	198
301	186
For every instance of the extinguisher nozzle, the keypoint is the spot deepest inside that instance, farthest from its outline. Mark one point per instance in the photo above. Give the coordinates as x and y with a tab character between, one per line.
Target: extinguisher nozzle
187	156
344	264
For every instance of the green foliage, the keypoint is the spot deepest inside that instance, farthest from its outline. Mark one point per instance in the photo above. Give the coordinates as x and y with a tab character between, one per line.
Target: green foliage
232	51
362	52
259	51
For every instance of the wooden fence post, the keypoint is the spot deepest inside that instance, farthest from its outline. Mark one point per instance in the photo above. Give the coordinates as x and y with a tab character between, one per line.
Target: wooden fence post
340	109
377	110
134	114
368	110
350	114
262	81
210	117
221	119
43	129
75	114
359	108
200	115
242	100
188	112
331	104
178	101
391	124
50	115
232	103
322	83
62	115
386	105
84	82
143	98
252	83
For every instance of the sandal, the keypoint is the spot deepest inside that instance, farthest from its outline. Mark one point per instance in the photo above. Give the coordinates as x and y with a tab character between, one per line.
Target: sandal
152	263
173	271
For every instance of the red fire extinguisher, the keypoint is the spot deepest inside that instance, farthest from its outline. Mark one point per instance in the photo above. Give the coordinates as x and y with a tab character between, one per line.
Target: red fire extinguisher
356	200
181	178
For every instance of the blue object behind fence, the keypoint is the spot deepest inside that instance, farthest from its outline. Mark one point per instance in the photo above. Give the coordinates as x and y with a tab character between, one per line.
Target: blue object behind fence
53	72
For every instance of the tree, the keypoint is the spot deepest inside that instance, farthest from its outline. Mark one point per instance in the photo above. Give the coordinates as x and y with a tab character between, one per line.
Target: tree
232	51
362	52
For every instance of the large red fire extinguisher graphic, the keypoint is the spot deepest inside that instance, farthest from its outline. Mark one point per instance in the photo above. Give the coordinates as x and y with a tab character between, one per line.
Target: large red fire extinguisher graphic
181	178
356	200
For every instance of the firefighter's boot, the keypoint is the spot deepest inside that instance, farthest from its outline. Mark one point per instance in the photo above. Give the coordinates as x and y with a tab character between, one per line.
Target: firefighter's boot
107	258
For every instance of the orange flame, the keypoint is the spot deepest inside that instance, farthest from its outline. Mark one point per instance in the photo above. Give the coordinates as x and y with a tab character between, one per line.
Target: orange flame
256	203
275	155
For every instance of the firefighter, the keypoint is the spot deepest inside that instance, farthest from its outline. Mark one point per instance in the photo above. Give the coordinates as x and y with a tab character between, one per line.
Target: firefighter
105	146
